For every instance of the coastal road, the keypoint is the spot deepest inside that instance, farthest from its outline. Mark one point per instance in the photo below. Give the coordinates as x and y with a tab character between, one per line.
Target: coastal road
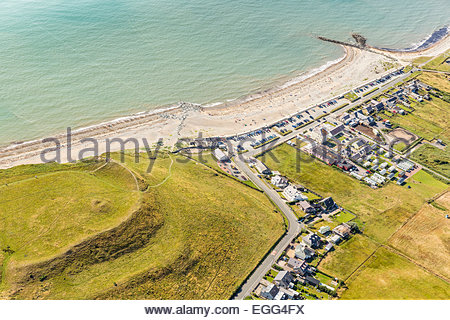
294	228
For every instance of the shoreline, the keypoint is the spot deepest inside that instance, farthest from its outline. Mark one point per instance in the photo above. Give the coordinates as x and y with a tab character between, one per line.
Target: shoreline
258	93
429	42
231	117
276	85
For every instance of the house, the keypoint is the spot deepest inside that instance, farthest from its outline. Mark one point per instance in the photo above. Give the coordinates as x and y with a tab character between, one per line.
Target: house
303	252
283	279
390	102
299	266
329	247
306	207
280	181
369	109
272	292
344	165
312	240
289	294
345	117
328	204
312	281
383	172
324	229
391	169
220	155
391	175
322	153
261	168
412	87
337	130
335	239
367	149
343	230
292	194
358	144
378	106
401	181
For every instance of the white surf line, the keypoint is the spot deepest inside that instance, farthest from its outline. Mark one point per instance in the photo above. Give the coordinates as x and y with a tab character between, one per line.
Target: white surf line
166	178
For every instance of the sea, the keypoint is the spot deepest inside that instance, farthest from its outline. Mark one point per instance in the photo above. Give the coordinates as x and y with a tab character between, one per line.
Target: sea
74	63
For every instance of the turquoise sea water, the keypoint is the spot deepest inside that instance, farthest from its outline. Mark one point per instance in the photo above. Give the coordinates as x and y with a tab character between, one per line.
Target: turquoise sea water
74	63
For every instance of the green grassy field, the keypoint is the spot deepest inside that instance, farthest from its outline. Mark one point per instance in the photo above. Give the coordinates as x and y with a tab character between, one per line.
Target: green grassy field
436	80
400	146
343	216
439	63
206	158
418	125
348	256
189	233
381	211
390	276
421	60
426	237
351	96
434	158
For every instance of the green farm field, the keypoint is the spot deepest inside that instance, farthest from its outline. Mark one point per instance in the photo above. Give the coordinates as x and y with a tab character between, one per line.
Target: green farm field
389	276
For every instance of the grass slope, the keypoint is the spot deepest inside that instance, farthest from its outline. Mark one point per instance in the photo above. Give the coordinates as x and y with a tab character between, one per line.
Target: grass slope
195	235
42	216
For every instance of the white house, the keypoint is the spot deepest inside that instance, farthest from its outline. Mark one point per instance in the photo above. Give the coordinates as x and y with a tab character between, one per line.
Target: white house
280	181
292	194
302	251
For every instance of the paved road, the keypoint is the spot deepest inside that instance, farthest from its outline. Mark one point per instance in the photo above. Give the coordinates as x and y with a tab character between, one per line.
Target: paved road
435	71
294	229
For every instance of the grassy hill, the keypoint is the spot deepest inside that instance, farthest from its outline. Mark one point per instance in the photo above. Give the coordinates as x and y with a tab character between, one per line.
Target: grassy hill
105	230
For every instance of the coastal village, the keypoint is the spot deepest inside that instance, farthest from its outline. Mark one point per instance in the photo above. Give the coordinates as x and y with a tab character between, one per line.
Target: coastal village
358	136
343	199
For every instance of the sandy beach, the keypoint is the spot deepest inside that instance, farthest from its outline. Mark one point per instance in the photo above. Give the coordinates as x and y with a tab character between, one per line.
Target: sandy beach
251	112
